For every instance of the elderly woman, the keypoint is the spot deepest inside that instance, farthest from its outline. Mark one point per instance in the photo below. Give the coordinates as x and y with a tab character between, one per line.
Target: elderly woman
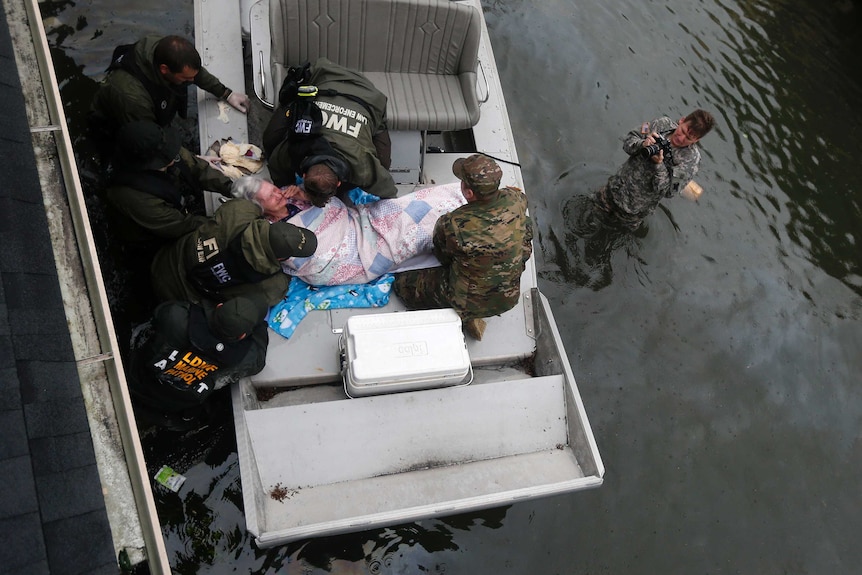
278	204
356	244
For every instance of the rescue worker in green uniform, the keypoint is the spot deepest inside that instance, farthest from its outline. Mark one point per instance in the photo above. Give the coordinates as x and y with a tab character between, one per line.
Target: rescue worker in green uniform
235	253
154	196
188	351
148	80
156	189
482	246
348	145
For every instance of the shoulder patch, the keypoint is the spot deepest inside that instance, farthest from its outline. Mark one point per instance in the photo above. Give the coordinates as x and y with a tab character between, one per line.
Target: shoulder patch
645	128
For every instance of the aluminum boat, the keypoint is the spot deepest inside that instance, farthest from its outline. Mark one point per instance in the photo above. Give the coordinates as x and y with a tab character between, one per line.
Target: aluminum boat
313	460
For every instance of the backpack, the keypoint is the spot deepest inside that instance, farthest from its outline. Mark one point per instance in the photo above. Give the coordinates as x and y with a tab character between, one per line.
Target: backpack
296	94
304	117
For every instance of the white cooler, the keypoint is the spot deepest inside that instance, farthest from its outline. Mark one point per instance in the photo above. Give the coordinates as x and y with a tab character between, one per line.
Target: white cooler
403	351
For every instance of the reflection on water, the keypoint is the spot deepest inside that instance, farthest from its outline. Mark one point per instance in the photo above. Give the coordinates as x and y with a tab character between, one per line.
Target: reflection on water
796	127
717	353
790	114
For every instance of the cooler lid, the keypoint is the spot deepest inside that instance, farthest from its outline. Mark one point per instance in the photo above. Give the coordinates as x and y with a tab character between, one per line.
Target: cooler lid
405	345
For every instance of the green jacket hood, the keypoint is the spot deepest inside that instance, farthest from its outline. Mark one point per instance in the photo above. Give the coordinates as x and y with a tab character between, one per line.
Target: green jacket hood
144	50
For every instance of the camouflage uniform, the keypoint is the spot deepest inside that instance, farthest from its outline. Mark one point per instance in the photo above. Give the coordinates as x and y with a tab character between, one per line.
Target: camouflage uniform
482	247
637	188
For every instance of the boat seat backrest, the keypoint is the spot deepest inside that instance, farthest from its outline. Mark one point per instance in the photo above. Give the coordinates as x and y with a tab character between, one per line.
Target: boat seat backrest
421	53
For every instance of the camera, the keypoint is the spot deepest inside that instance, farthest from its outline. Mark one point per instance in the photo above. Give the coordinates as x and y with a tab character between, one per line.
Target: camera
661	144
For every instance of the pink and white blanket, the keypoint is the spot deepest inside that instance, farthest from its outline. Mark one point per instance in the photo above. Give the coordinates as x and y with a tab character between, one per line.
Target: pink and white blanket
358	244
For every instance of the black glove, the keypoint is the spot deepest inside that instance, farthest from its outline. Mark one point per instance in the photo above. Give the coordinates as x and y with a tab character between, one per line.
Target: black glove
296	76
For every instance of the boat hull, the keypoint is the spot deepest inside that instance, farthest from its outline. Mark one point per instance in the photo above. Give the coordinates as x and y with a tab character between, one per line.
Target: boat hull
314	461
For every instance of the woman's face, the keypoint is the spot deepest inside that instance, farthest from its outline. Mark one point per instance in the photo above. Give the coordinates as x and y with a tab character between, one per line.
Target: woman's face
271	199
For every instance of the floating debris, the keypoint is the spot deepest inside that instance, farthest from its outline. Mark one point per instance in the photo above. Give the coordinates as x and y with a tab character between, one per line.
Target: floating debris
170	478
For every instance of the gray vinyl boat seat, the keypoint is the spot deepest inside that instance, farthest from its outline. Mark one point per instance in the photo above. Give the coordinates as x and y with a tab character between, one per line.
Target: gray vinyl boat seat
421	53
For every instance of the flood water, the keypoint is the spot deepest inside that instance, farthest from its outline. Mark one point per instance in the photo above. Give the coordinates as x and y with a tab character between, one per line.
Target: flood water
718	354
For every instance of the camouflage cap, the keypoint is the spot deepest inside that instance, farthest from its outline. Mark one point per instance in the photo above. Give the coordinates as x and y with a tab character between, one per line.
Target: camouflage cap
479	172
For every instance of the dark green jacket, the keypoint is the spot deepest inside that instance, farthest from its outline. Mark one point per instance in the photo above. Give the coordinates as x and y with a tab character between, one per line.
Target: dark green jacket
122	98
350	128
174	369
147	220
236	229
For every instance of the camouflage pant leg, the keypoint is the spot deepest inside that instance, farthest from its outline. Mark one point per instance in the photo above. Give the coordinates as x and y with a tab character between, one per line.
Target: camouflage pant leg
611	216
584	216
422	289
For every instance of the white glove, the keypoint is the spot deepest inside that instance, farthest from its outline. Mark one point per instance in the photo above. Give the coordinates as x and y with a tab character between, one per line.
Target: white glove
239	101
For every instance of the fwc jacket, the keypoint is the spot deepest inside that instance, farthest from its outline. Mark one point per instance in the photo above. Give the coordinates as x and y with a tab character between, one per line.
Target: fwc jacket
237	228
355	130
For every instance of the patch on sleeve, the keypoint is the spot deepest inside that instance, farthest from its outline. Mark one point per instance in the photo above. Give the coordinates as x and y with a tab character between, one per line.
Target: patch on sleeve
645	128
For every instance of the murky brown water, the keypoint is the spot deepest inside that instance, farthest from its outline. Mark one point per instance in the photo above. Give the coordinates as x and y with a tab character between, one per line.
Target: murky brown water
718	355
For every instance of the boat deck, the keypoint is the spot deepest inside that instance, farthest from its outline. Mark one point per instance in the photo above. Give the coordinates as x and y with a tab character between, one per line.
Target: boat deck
508	337
432	452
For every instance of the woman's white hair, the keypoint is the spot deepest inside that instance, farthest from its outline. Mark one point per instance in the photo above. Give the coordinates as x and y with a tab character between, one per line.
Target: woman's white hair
246	187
